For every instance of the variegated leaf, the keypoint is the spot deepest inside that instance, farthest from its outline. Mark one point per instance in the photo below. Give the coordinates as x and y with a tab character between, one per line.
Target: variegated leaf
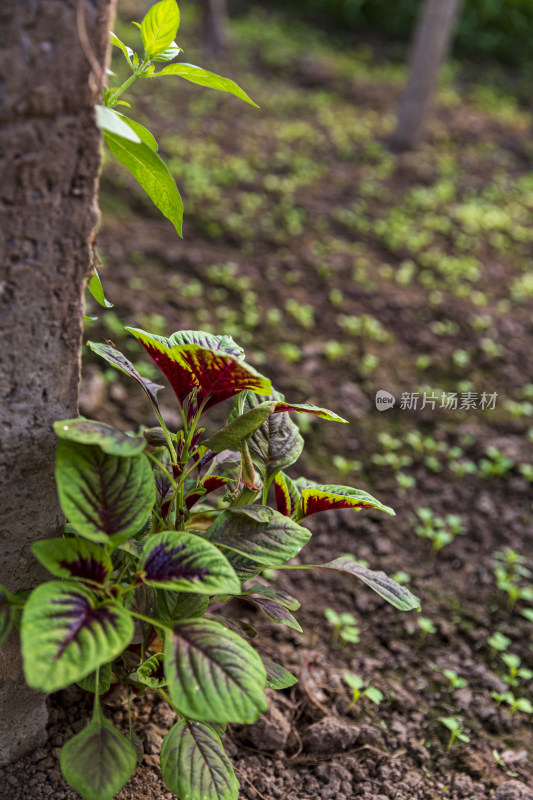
213	674
186	563
277	676
276	612
105	497
318	497
287	494
395	594
67	632
108	439
308	408
258	533
74	558
194	765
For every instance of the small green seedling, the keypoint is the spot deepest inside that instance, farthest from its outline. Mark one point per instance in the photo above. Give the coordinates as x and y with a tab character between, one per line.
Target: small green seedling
498	642
496	465
455	681
516	672
512	576
500	762
426	626
516	703
528	614
356	684
345	626
456	731
438	530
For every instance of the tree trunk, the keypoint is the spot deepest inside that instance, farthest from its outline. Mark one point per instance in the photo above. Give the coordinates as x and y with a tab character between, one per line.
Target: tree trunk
52	56
430	47
214	15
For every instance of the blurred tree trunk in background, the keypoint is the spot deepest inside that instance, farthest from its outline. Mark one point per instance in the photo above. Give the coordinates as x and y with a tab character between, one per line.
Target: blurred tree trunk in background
52	68
214	16
432	39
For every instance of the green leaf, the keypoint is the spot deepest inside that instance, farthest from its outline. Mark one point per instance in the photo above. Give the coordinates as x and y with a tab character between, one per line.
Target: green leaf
110	122
194	765
204	78
187	563
119	361
108	439
325	497
277	676
239	428
213	674
259	533
277	443
374	694
6	616
74	558
98	761
106	497
159	27
392	592
142	132
67	632
152	672
151	172
104	680
128	52
168	54
97	290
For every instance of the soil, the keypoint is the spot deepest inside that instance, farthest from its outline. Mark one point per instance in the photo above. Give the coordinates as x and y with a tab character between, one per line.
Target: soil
313	744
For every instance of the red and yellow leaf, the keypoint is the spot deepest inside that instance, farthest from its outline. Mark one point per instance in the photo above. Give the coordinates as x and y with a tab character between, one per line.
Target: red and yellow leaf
308	408
220	375
167	358
287	494
210	364
327	497
209	484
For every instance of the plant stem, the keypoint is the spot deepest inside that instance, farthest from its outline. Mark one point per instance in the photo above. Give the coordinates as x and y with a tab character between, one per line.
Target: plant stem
157	623
170	443
163	469
112	99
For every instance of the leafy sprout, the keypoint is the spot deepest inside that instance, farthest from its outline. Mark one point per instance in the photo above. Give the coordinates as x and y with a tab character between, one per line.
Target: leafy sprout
345	626
455	681
356	684
456	730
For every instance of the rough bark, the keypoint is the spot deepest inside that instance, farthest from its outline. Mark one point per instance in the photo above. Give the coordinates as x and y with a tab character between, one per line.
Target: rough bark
432	39
214	15
52	54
